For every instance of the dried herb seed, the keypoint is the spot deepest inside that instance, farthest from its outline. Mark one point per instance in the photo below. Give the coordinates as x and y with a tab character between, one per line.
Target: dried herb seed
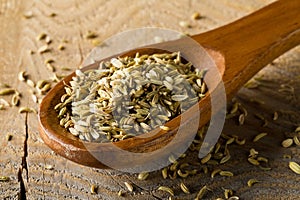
295	167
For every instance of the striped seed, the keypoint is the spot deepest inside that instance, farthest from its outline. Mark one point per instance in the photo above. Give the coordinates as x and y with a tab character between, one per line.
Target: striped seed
184	188
226	173
295	167
259	136
143	175
201	193
251	182
128	186
287	142
7	91
166	189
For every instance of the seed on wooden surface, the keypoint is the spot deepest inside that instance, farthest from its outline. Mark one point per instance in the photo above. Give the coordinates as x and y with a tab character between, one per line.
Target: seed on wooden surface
22	76
226	173
49	60
4	178
259	136
27	110
50	67
128	186
52	14
66	68
143	175
201	193
61	47
48	39
253	161
91	35
196	16
184	188
184	24
96	42
120	193
295	167
296	140
30	83
251	182
7	91
166	189
49	167
41	36
28	14
287	142
15	100
44	49
9	137
275	116
3	102
93	189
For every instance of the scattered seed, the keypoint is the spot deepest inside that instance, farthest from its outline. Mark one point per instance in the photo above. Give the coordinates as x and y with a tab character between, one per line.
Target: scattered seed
91	35
295	167
287	156
120	193
15	101
28	14
22	76
226	173
214	172
228	193
52	14
43	49
234	198
287	142
184	24
262	159
41	36
201	193
7	91
164	173
166	189
49	60
30	83
61	47
241	119
206	158
196	16
253	161
252	182
184	188
143	175
9	137
4	178
93	189
49	167
27	110
259	136
296	140
128	186
297	129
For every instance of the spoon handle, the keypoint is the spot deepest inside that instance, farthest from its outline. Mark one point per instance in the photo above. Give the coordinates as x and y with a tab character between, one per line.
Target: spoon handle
254	41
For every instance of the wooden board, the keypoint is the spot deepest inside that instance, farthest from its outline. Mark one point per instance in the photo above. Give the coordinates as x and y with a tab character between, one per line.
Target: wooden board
279	91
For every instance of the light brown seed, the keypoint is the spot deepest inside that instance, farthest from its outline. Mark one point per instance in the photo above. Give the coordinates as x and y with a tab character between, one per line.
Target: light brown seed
91	35
93	189
259	136
214	172
4	178
7	91
206	158
15	100
143	175
43	49
262	159
196	16
241	119
297	129
201	193
128	186
287	142
184	188
165	128
226	173
9	137
234	198
61	47
251	182
41	36
164	172
181	174
296	140
28	14
22	76
253	161
49	167
228	193
30	83
27	110
166	189
295	167
120	193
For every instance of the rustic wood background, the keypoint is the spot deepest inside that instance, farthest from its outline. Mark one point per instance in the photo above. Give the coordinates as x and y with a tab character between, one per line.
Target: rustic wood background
24	160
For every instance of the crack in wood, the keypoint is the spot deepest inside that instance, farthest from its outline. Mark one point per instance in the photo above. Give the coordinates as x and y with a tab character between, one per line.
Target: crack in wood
24	165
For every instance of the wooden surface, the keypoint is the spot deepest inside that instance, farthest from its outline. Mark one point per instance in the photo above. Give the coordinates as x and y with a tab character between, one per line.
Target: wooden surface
279	90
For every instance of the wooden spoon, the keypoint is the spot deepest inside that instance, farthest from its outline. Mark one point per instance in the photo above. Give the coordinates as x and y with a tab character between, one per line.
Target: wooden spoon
239	49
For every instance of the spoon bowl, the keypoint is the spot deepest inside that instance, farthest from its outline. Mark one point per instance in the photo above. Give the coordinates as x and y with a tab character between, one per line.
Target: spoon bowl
239	50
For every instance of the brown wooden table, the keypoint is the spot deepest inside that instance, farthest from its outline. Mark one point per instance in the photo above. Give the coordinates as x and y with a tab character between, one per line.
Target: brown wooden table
26	160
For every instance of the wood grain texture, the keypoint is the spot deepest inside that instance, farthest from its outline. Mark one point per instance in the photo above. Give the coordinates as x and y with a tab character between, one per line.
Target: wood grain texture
68	180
